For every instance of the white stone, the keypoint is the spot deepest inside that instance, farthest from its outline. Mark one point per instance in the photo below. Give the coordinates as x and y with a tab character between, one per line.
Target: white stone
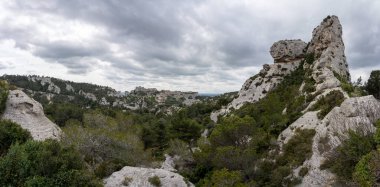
29	114
140	177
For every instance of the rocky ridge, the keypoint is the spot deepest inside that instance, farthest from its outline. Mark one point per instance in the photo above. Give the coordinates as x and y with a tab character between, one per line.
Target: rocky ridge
50	90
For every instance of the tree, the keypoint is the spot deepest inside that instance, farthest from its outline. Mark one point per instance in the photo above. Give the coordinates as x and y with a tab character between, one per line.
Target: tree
185	129
373	84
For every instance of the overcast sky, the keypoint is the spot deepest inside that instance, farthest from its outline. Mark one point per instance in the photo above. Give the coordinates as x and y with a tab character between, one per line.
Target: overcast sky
210	46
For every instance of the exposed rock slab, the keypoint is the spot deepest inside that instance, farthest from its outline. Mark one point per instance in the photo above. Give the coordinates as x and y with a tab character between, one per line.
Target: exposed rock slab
29	114
140	176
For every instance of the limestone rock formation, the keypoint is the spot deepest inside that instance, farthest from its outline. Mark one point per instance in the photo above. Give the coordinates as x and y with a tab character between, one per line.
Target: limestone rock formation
29	114
357	113
140	177
287	50
325	60
287	55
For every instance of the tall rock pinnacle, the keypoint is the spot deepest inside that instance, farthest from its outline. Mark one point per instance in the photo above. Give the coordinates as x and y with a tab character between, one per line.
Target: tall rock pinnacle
328	47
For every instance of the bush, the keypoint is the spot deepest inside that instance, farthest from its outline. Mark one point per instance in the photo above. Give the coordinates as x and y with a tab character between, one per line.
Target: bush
343	160
326	103
303	171
155	181
44	163
11	133
366	171
224	178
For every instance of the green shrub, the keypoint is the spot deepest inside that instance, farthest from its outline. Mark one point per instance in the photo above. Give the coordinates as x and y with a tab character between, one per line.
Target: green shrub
224	178
309	58
366	170
11	133
44	163
303	171
344	158
298	148
326	103
155	181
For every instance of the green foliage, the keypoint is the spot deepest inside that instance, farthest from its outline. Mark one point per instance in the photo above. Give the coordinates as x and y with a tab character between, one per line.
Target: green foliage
43	163
155	181
298	148
373	84
366	170
343	160
155	135
326	103
295	152
309	58
11	133
224	178
376	136
107	143
185	129
303	171
60	113
4	87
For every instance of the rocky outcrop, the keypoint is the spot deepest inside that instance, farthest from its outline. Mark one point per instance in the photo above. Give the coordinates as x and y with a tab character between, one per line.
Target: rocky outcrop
136	176
287	50
327	45
288	55
29	114
357	114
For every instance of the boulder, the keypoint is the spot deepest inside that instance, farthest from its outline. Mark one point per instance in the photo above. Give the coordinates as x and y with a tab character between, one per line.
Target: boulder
29	114
137	176
287	50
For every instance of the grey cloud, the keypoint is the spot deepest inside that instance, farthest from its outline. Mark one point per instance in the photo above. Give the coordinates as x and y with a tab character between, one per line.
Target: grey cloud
189	40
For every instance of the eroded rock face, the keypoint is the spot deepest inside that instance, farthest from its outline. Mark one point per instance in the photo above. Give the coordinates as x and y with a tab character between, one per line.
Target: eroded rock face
357	114
29	114
257	87
140	176
327	45
287	50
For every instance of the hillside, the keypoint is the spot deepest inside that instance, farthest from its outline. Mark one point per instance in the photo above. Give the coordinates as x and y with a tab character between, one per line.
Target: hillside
48	90
300	121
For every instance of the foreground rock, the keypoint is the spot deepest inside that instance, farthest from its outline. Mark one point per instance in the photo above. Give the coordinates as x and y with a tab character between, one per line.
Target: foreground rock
135	176
29	114
357	114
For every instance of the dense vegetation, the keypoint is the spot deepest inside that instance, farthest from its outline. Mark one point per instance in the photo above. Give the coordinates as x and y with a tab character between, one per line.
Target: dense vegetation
356	160
25	162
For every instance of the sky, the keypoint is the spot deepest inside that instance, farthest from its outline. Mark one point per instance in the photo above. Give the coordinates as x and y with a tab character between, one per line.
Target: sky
209	46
